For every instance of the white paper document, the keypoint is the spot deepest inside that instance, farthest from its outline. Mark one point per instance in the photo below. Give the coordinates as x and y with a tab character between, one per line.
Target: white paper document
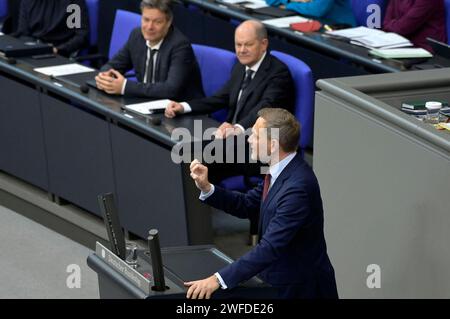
354	33
255	4
285	22
233	1
148	107
372	38
403	53
385	40
65	69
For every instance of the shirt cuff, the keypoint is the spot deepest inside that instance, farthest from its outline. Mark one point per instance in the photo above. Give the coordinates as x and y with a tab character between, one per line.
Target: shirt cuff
240	127
203	196
186	107
222	283
123	86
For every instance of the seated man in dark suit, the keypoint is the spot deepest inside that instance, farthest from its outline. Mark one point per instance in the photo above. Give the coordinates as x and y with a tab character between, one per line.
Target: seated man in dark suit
161	56
291	254
258	80
47	21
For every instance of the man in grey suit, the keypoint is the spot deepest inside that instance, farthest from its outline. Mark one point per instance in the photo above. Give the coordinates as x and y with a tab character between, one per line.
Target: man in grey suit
162	58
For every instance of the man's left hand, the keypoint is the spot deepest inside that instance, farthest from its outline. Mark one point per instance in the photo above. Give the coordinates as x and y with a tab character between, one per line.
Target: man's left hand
111	82
226	129
202	289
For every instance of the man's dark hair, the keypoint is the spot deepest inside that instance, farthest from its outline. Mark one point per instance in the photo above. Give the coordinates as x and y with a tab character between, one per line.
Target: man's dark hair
289	134
165	6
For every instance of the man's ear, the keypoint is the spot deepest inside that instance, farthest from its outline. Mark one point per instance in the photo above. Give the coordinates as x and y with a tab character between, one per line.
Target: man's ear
274	145
265	42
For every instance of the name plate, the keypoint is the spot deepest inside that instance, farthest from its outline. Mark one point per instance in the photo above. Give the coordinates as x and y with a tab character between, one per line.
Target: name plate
123	268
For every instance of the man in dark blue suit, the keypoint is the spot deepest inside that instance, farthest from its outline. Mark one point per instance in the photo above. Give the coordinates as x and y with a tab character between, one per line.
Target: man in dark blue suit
292	254
161	56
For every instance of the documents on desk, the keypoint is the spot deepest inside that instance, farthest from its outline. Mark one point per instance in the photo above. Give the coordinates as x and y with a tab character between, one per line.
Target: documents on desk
403	53
372	38
65	69
252	4
255	4
285	22
147	108
233	1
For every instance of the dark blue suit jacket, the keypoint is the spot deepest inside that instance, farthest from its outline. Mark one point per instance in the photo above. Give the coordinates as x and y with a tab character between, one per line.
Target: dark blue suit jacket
292	253
177	74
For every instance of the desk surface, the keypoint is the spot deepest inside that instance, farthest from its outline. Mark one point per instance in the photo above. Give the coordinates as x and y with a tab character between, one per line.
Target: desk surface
85	144
104	104
318	42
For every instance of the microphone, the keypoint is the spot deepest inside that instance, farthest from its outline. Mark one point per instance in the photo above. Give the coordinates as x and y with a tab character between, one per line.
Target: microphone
157	264
84	88
11	61
155	121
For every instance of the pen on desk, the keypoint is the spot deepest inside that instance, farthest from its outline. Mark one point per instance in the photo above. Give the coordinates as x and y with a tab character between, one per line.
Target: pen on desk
328	28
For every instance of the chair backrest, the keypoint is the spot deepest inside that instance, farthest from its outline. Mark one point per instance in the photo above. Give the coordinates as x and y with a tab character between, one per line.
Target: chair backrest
93	12
447	16
304	95
359	8
215	67
3	8
124	23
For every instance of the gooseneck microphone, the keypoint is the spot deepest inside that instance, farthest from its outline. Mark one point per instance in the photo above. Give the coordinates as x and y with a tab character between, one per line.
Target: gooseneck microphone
157	264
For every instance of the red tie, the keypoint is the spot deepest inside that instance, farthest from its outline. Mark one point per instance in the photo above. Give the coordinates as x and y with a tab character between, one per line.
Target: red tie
266	186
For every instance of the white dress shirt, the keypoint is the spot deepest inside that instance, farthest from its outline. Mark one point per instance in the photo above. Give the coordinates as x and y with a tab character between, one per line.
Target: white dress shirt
275	171
155	55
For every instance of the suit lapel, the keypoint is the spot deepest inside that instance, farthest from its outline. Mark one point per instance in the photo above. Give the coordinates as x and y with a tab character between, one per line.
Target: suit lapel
237	79
162	53
142	59
285	174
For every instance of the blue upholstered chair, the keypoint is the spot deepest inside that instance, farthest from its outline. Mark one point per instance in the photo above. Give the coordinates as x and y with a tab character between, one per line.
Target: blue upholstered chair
124	23
304	96
3	9
93	13
215	67
360	13
447	15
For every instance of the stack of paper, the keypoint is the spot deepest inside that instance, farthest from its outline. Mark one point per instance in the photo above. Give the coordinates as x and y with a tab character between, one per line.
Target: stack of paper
404	53
252	4
355	33
285	22
65	69
372	38
255	4
146	108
